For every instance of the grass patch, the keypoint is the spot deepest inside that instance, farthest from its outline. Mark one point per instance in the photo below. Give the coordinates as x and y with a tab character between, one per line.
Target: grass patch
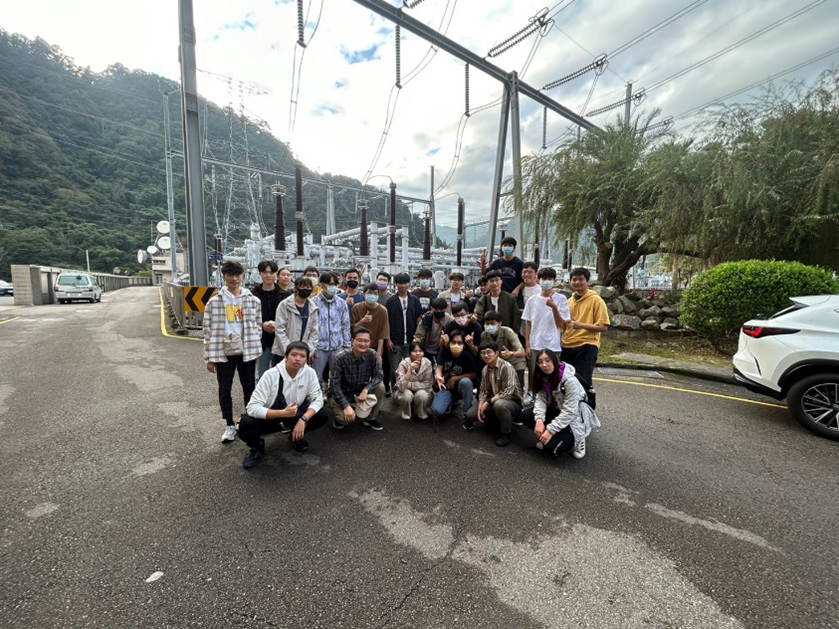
689	348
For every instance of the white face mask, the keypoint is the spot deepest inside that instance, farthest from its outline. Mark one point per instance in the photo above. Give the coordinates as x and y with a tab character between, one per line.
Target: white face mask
492	329
461	320
547	285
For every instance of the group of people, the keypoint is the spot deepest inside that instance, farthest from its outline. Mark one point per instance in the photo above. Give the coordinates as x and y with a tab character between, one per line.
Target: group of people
291	340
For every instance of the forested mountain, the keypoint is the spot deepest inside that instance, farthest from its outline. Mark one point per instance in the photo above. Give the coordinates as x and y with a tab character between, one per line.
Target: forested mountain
82	165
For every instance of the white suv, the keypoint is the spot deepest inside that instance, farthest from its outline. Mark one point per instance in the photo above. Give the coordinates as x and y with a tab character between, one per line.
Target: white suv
794	355
77	286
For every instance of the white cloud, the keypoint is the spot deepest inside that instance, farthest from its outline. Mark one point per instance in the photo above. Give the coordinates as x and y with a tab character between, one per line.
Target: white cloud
342	106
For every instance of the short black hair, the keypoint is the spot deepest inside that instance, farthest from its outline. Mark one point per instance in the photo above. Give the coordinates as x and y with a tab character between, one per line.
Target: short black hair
231	267
383	274
491	275
414	345
457	275
489	345
267	264
402	278
311	269
457	333
361	330
327	277
439	304
547	272
482	280
425	273
372	286
461	305
492	315
303	282
530	264
297	345
352	271
581	270
509	240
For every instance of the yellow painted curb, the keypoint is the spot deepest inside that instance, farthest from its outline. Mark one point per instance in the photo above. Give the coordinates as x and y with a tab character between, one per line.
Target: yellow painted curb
717	395
163	329
9	320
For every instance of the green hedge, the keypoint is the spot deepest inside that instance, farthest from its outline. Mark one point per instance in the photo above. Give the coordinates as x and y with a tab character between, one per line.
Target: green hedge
721	299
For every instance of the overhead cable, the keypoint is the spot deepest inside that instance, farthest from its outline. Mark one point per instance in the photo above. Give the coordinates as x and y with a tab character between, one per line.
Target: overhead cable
666	22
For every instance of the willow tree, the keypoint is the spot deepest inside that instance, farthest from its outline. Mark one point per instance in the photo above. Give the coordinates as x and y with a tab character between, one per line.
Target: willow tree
599	183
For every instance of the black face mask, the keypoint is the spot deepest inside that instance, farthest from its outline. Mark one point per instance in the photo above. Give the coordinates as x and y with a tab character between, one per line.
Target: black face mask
352	284
439	315
304	293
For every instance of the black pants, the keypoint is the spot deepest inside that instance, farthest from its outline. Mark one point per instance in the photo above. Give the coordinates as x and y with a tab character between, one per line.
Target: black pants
583	359
252	429
561	442
224	375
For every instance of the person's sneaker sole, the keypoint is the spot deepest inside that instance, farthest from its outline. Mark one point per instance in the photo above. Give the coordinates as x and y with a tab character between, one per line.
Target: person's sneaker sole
337	426
468	425
375	426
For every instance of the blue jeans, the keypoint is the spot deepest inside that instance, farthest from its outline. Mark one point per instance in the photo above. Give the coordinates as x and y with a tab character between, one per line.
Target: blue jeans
445	398
265	361
323	358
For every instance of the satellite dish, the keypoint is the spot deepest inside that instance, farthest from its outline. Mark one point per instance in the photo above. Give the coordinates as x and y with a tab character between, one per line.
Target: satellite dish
141	256
151	249
164	242
163	227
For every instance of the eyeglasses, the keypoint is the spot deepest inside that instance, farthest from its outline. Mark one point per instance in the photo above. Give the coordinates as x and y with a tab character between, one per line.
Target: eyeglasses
362	341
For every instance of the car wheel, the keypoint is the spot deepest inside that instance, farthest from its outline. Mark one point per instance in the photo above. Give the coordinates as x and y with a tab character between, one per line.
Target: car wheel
814	402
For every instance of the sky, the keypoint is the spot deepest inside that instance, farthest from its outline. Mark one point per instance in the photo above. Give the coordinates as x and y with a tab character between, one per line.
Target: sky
344	78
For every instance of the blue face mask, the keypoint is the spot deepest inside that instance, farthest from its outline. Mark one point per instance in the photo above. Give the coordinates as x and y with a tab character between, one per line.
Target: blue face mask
372	299
547	285
507	251
332	290
492	329
425	283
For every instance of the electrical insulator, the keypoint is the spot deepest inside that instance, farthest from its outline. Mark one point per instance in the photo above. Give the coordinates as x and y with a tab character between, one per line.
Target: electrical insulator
599	65
398	57
537	23
410	4
544	128
467	91
300	24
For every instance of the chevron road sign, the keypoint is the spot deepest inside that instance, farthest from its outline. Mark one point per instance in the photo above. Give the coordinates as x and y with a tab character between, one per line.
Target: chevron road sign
196	297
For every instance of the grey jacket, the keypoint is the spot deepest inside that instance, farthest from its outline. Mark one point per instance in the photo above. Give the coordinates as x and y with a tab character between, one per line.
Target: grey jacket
289	325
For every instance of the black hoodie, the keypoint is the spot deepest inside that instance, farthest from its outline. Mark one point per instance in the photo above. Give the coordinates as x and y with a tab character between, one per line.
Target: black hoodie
269	300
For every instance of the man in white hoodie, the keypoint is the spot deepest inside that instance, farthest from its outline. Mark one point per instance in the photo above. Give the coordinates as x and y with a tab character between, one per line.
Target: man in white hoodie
287	399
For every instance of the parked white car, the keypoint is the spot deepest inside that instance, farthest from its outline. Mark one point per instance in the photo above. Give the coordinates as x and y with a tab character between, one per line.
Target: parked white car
794	355
77	287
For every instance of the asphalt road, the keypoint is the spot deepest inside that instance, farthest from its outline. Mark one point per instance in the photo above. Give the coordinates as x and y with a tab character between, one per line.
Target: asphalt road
122	508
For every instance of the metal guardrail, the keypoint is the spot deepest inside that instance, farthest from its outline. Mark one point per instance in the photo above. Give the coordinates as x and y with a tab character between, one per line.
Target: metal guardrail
184	322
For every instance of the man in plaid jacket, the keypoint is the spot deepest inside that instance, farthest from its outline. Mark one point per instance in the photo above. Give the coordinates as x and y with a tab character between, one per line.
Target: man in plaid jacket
232	340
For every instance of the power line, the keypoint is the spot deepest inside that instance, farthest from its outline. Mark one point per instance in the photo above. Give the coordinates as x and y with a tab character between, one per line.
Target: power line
736	45
654	29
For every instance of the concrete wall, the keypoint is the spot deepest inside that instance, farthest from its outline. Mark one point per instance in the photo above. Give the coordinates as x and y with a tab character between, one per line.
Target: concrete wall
34	284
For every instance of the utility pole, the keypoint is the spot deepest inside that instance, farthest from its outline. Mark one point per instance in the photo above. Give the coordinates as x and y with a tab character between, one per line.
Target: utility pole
299	216
461	214
330	209
194	186
170	193
515	139
628	107
432	209
392	228
279	217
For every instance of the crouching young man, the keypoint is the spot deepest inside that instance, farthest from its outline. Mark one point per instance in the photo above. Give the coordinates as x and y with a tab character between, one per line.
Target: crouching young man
499	400
287	399
356	384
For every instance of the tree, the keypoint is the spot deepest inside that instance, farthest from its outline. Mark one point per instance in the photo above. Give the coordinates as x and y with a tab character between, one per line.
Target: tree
600	182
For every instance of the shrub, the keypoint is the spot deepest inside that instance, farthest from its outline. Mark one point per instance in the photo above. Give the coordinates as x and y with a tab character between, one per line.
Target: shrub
721	299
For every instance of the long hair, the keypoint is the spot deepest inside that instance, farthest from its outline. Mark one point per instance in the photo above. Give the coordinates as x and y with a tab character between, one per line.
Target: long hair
539	378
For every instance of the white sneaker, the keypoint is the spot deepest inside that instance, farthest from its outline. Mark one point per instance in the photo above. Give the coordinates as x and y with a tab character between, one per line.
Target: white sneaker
540	445
528	398
579	450
229	434
406	416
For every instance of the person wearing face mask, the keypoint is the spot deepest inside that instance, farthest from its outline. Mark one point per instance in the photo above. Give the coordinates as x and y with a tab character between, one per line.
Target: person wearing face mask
509	347
333	324
430	329
509	266
313	274
383	281
425	293
414	379
471	329
297	319
455	373
372	316
353	295
544	317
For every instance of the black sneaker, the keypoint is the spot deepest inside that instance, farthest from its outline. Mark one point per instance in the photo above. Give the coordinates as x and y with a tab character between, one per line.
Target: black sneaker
517	422
468	424
387	393
373	423
336	425
254	457
284	430
503	441
300	446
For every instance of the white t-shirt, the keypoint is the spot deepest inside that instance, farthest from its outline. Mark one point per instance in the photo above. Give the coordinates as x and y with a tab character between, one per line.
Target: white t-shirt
543	332
526	293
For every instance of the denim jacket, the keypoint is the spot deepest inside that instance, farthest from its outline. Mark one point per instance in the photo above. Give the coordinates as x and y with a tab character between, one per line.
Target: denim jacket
334	323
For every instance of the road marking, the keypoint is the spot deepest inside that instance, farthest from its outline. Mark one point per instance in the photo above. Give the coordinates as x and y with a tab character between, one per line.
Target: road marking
154	577
680	390
9	320
163	329
41	510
